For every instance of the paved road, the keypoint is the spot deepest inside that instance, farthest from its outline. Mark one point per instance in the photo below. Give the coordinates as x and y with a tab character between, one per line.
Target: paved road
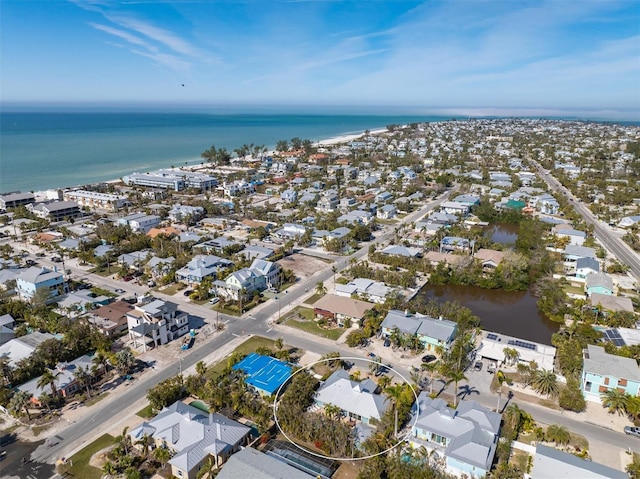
258	323
614	244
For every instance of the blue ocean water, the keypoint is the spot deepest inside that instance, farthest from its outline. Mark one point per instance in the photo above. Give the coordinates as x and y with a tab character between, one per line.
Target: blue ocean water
54	150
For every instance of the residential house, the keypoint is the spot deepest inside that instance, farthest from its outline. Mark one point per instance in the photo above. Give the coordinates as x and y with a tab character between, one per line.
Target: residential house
252	252
552	463
6	328
328	202
575	237
242	283
76	302
454	208
264	373
158	267
465	438
23	347
111	319
341	309
603	371
469	200
433	333
405	251
289	196
387	212
251	463
193	437
218	245
66	382
493	345
291	231
270	270
366	289
356	400
135	259
607	302
356	217
599	283
628	221
140	222
180	213
586	266
489	258
34	279
383	197
455	243
200	267
157	321
572	252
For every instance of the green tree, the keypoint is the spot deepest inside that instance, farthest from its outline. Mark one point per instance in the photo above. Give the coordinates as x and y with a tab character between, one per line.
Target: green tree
545	382
558	434
49	378
616	401
20	402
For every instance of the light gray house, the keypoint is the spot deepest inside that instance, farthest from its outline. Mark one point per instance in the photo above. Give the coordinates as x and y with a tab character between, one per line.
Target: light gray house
357	400
193	436
465	438
251	463
551	463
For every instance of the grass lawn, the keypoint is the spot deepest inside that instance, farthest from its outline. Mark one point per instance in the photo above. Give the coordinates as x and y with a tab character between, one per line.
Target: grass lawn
101	272
103	292
249	346
313	298
80	460
573	290
171	289
312	327
146	412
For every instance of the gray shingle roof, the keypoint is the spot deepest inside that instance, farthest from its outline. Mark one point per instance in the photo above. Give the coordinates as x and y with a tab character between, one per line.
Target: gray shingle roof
253	464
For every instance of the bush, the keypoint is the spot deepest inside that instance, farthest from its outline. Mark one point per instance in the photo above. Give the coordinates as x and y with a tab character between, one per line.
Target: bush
571	397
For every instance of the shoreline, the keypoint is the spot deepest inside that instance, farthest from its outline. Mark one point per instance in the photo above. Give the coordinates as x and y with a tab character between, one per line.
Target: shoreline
199	163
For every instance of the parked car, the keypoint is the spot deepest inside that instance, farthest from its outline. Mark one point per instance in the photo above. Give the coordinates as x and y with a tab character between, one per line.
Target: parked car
214	300
429	358
632	431
119	290
40	254
478	366
491	368
187	292
56	259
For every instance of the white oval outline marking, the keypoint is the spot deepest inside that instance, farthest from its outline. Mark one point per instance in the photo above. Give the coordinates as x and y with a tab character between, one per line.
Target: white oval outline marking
322	456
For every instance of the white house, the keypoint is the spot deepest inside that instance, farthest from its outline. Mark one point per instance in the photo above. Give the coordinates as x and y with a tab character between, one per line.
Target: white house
35	279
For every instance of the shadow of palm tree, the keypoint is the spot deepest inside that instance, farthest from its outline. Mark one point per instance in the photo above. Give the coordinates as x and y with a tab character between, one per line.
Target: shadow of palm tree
466	390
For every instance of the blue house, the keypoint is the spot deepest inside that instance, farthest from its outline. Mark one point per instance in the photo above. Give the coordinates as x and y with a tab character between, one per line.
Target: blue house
264	373
602	372
465	438
599	283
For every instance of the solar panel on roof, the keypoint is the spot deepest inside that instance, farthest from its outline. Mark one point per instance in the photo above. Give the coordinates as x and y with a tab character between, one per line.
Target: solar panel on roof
522	344
492	336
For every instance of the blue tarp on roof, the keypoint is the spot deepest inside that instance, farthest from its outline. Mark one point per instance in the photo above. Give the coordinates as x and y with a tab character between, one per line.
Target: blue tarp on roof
263	372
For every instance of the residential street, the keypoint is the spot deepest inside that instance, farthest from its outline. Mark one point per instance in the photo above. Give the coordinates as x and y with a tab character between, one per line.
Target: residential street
128	399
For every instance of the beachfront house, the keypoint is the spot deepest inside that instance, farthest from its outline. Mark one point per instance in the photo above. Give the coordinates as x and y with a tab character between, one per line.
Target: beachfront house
193	437
603	371
465	438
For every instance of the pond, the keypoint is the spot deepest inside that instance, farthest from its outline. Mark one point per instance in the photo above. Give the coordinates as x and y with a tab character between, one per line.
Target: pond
503	233
511	313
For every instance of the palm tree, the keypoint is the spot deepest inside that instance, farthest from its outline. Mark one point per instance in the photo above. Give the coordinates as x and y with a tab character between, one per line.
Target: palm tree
20	402
432	369
455	377
48	378
331	410
101	360
384	381
124	359
124	440
513	418
145	441
201	368
84	378
162	455
616	401
558	434
279	343
6	370
320	288
545	382
109	469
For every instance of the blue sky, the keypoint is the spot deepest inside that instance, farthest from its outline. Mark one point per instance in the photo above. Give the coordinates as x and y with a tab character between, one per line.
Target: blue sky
461	56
